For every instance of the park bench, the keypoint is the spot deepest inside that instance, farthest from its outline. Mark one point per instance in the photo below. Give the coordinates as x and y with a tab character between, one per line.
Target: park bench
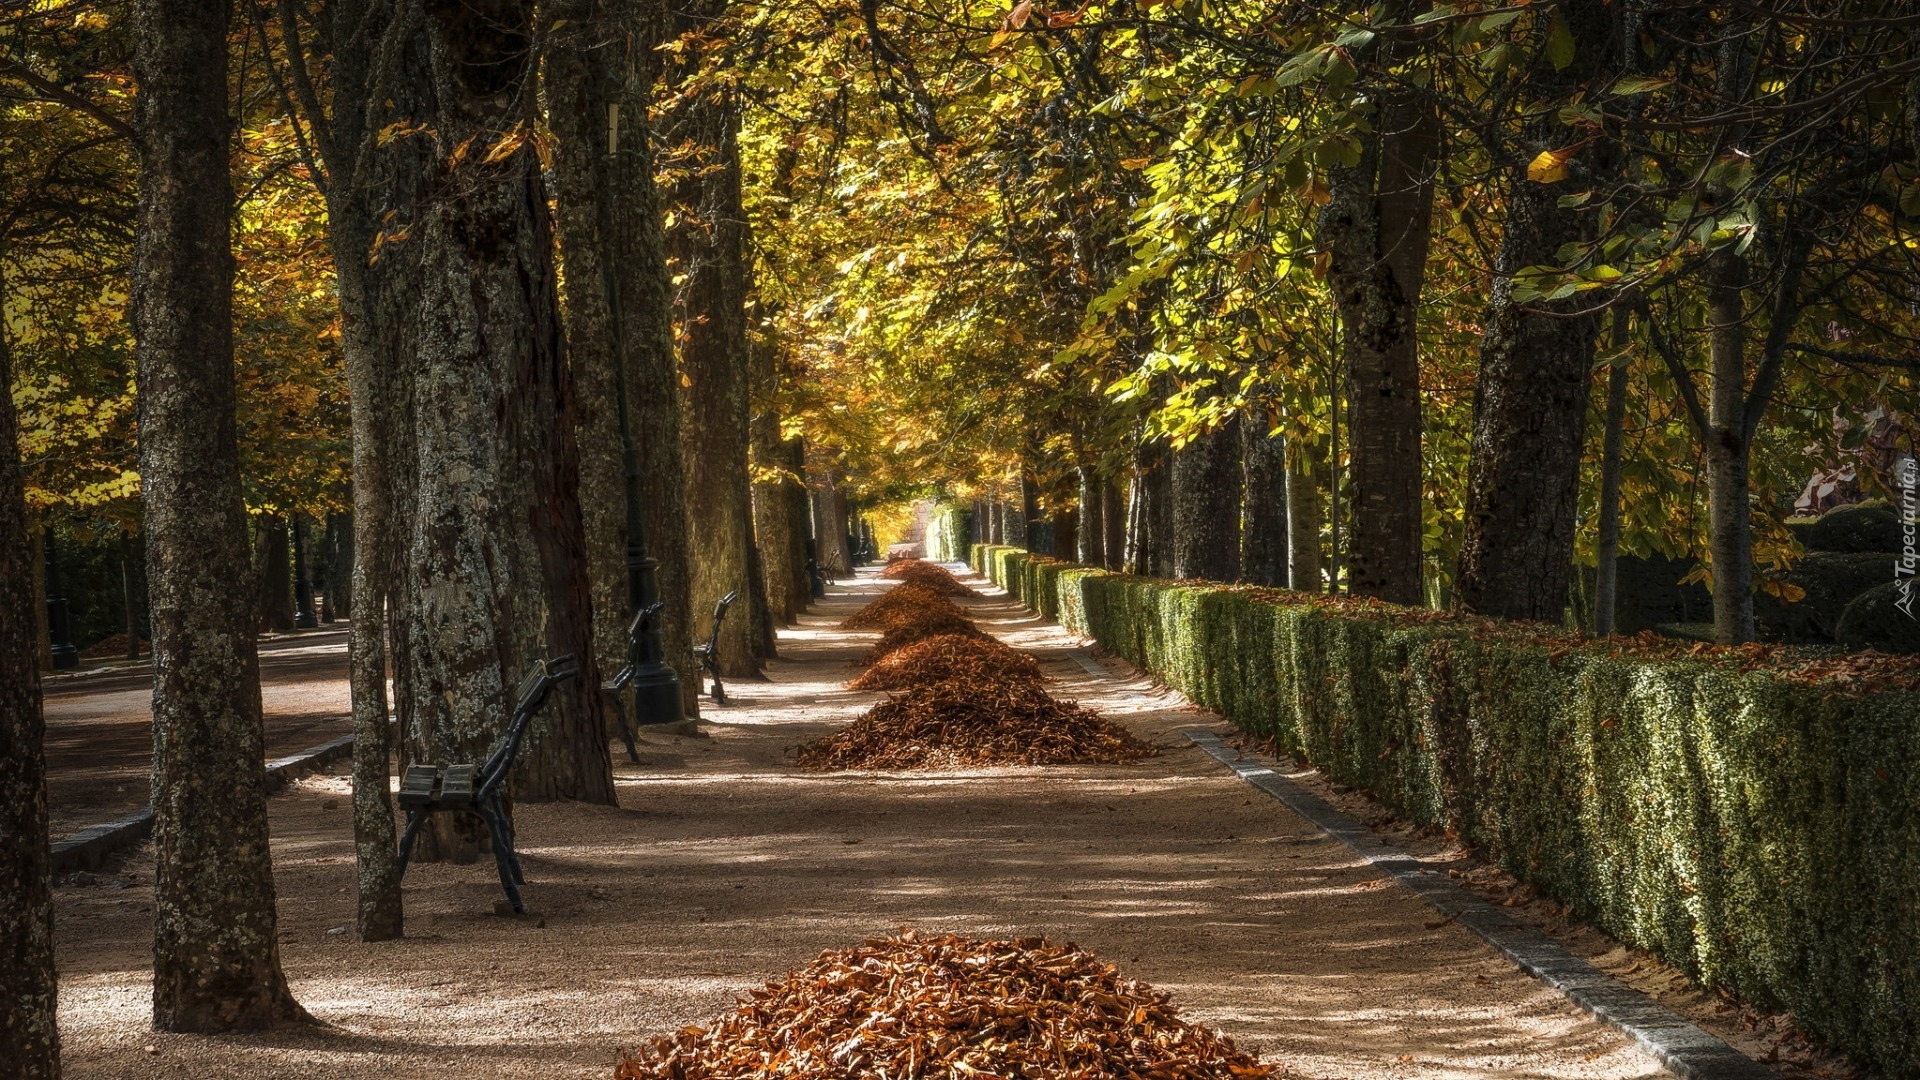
709	653
614	692
476	789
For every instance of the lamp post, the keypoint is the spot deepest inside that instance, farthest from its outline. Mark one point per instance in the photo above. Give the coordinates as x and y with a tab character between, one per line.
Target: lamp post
656	687
59	635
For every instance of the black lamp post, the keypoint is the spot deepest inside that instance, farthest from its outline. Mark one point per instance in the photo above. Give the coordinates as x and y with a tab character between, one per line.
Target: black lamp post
656	687
303	617
59	635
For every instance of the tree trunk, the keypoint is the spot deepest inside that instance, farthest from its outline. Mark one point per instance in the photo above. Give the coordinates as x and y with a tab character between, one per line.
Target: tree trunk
1304	518
1206	506
778	532
1092	534
580	109
708	250
216	952
496	551
272	575
1063	523
1729	489
129	589
1263	516
829	523
1606	575
28	987
1113	508
1377	228
1536	361
378	287
337	596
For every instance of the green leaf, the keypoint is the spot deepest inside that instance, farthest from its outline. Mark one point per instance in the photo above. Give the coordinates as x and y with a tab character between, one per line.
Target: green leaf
1635	84
1560	46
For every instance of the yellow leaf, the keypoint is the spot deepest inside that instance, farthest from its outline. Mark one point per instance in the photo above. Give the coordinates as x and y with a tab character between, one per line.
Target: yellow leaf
1550	167
1319	192
508	145
1136	162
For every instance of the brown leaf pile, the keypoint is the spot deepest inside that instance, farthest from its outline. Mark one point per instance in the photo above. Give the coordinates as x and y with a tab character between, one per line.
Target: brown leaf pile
901	605
949	1007
926	573
967	723
949	656
923	629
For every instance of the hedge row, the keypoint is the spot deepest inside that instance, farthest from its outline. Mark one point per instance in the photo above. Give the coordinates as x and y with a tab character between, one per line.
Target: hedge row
1761	833
949	532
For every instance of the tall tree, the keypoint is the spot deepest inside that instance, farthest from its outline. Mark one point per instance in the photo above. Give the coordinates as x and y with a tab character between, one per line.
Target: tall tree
708	246
496	565
1263	502
1206	506
1376	228
29	1038
1536	354
216	953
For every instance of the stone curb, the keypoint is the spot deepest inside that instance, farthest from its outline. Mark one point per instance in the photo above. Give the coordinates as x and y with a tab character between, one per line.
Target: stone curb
1679	1045
90	847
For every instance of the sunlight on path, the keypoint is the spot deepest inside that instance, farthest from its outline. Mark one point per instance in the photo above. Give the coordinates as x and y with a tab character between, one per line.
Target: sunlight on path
724	866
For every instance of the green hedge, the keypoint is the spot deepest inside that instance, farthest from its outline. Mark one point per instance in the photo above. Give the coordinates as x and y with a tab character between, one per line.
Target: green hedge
1761	833
949	533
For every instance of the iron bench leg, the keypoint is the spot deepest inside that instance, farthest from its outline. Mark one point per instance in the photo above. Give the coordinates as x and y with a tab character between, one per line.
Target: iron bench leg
415	818
503	856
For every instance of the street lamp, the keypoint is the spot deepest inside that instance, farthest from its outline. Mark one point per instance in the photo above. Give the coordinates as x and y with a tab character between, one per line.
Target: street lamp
656	687
59	636
303	618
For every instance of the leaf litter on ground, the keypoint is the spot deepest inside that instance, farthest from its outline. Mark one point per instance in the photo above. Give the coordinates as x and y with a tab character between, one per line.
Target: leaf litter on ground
908	1007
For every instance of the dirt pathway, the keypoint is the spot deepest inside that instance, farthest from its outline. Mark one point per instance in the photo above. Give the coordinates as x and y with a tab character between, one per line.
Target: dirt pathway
100	723
724	867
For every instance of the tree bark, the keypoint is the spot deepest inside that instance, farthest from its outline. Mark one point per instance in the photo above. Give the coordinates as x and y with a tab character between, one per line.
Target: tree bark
1377	228
1263	516
29	1036
779	530
1536	362
829	523
271	574
1606	575
1092	533
1304	518
337	599
216	952
707	249
496	551
1206	506
377	73
1113	507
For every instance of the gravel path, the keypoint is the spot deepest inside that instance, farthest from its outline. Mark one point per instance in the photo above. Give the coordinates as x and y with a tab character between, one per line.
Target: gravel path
100	723
724	867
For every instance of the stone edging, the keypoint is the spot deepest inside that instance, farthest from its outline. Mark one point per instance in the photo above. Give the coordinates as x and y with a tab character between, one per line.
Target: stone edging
88	848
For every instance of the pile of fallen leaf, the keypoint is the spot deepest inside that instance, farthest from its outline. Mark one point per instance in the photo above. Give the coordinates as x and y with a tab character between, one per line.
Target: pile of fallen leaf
949	1006
967	699
948	656
902	605
925	573
964	723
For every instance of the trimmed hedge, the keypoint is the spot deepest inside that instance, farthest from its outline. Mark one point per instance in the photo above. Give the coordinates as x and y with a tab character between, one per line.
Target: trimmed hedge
949	533
1759	832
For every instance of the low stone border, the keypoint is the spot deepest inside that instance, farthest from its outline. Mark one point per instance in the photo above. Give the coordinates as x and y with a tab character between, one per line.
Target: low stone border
90	847
1680	1046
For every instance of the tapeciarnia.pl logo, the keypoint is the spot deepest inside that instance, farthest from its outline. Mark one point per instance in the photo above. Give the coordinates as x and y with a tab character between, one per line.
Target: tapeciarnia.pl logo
1908	477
